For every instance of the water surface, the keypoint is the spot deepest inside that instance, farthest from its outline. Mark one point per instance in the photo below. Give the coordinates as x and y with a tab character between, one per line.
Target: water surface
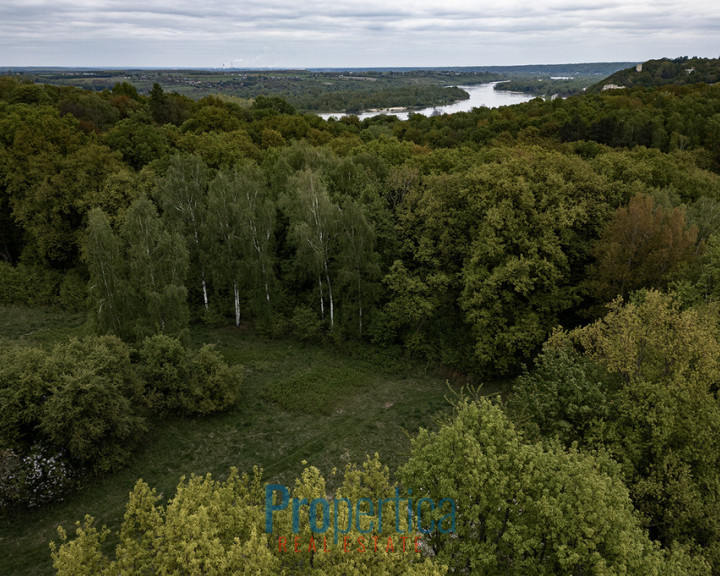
480	95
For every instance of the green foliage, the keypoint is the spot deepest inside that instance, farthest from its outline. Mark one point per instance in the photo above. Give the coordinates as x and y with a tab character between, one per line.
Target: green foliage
643	246
240	226
157	266
30	285
310	390
82	398
23	389
137	276
184	381
216	528
92	410
305	324
182	194
313	231
665	415
107	287
73	291
664	71
525	508
565	396
530	240
139	142
85	399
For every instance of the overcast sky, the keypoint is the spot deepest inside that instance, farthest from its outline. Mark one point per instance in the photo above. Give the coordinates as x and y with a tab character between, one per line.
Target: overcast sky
353	33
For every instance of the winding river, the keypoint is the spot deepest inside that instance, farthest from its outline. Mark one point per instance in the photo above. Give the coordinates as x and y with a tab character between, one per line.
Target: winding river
480	95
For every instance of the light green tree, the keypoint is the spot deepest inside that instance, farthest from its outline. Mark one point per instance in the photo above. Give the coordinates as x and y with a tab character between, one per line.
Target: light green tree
210	527
665	417
529	509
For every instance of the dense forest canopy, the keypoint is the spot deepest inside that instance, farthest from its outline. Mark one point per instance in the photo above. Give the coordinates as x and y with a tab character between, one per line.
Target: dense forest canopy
568	248
678	72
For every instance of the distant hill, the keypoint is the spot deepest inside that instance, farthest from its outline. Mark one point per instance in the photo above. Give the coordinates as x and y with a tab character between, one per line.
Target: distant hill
678	72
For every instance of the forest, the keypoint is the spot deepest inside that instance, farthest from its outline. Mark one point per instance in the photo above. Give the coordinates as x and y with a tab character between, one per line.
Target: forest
188	275
328	90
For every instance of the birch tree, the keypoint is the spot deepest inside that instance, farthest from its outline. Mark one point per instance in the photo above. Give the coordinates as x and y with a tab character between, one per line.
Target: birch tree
223	226
183	196
103	253
314	222
257	213
358	259
157	267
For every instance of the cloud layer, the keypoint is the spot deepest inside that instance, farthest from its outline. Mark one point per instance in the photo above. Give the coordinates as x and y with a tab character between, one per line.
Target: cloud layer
281	33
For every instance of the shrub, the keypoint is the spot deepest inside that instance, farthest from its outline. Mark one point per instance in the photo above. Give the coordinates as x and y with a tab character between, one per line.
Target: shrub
73	291
28	285
186	382
305	323
23	390
93	409
39	477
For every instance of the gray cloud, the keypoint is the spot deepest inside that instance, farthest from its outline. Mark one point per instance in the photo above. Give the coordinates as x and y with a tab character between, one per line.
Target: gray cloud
352	33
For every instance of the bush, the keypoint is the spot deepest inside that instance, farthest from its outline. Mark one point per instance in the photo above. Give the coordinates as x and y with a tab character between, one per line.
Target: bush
93	410
24	386
28	285
73	291
39	477
305	323
80	402
186	382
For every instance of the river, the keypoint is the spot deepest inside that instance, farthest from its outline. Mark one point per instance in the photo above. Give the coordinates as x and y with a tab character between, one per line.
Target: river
480	95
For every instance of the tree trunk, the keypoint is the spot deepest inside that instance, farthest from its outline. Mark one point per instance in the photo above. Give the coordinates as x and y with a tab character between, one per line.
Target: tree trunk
360	306
237	304
330	297
322	301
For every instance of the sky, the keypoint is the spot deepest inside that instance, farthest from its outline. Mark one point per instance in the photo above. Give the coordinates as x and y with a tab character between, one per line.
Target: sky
351	33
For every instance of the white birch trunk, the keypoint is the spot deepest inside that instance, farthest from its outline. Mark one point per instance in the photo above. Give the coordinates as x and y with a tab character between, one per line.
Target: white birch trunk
237	304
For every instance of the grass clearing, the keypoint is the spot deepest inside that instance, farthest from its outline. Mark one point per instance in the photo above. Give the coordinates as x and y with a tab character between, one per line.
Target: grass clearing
299	402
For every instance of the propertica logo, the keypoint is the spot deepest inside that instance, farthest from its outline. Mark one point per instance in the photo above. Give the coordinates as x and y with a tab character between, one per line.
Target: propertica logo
366	516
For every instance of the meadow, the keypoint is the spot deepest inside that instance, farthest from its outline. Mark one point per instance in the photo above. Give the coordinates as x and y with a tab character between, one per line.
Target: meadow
300	402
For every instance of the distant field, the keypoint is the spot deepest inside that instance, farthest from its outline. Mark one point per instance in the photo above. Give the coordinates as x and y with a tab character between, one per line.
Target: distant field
360	405
328	90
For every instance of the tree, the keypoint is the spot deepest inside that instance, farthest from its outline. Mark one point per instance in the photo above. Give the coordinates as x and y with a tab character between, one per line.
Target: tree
257	212
665	417
157	267
183	196
216	528
357	259
641	247
107	289
241	220
526	508
536	214
52	172
313	231
565	396
223	228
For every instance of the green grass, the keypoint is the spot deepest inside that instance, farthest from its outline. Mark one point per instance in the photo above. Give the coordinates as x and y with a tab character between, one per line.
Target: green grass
300	402
39	326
